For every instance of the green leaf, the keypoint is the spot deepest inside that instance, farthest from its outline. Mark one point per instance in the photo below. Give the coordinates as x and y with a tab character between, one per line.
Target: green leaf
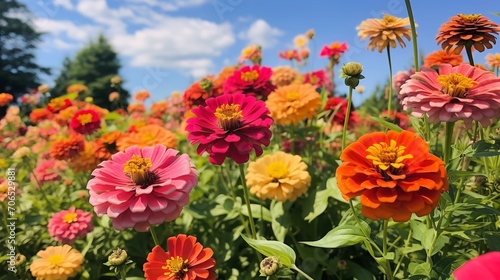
321	200
279	222
387	124
258	212
341	236
427	239
270	248
418	229
113	116
419	268
70	96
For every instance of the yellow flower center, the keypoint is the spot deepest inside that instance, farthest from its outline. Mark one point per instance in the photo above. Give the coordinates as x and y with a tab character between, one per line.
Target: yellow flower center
389	19
277	170
55	260
335	45
229	116
388	157
456	84
84	118
147	136
292	96
137	168
249	75
56	103
70	218
176	266
470	18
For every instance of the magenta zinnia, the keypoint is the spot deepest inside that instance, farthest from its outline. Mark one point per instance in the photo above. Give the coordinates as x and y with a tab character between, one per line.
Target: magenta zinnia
254	81
230	126
68	225
142	187
455	93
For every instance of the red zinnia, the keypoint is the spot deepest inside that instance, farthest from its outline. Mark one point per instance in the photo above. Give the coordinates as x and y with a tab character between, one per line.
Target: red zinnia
318	79
85	122
186	259
57	104
231	125
338	106
200	91
290	55
254	81
334	49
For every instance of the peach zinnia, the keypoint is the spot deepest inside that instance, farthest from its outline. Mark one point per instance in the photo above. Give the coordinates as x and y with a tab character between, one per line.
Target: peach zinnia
230	126
394	174
442	57
185	259
453	93
279	176
493	60
57	262
472	30
142	187
294	103
384	32
148	135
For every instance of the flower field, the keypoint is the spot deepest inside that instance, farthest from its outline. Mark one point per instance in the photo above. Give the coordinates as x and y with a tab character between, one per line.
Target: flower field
260	172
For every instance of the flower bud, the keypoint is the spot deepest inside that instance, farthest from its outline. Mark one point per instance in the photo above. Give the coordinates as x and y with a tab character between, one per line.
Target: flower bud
269	266
20	259
43	88
118	257
310	33
21	153
115	80
206	84
351	72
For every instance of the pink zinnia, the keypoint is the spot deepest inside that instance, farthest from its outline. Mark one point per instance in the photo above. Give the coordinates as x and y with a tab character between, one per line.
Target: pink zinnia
254	81
318	79
142	187
484	267
450	94
68	225
48	170
334	49
230	126
400	78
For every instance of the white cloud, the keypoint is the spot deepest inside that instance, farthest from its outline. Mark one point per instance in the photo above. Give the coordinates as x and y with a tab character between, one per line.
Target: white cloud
64	3
62	45
66	28
261	33
170	5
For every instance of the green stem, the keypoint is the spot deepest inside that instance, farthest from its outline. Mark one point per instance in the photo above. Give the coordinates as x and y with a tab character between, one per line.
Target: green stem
301	273
153	234
123	275
389	105
358	223
468	49
247	201
346	120
387	266
413	35
408	239
447	141
44	195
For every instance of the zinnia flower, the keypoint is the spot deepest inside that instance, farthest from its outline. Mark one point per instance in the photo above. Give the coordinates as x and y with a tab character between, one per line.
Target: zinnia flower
394	173
68	225
252	81
77	88
453	93
136	108
318	79
294	103
300	41
284	75
279	176
335	49
142	95
493	60
142	187
385	32
199	92
40	114
85	122
47	170
400	78
290	55
113	96
230	126
5	99
186	259
338	108
484	267
148	135
57	262
66	149
474	30
442	57
252	53
57	104
158	109
86	159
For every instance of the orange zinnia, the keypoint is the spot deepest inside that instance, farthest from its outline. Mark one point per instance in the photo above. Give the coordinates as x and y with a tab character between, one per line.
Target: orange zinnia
467	30
442	57
142	95
394	174
5	98
66	149
148	135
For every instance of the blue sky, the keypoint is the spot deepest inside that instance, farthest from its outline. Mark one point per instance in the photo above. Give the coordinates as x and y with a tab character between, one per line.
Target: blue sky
164	45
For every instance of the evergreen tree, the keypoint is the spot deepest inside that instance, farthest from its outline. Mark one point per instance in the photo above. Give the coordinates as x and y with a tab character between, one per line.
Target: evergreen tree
93	66
18	39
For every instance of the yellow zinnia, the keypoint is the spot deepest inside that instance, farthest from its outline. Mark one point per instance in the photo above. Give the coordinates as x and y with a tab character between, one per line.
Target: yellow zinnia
57	262
279	176
293	103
